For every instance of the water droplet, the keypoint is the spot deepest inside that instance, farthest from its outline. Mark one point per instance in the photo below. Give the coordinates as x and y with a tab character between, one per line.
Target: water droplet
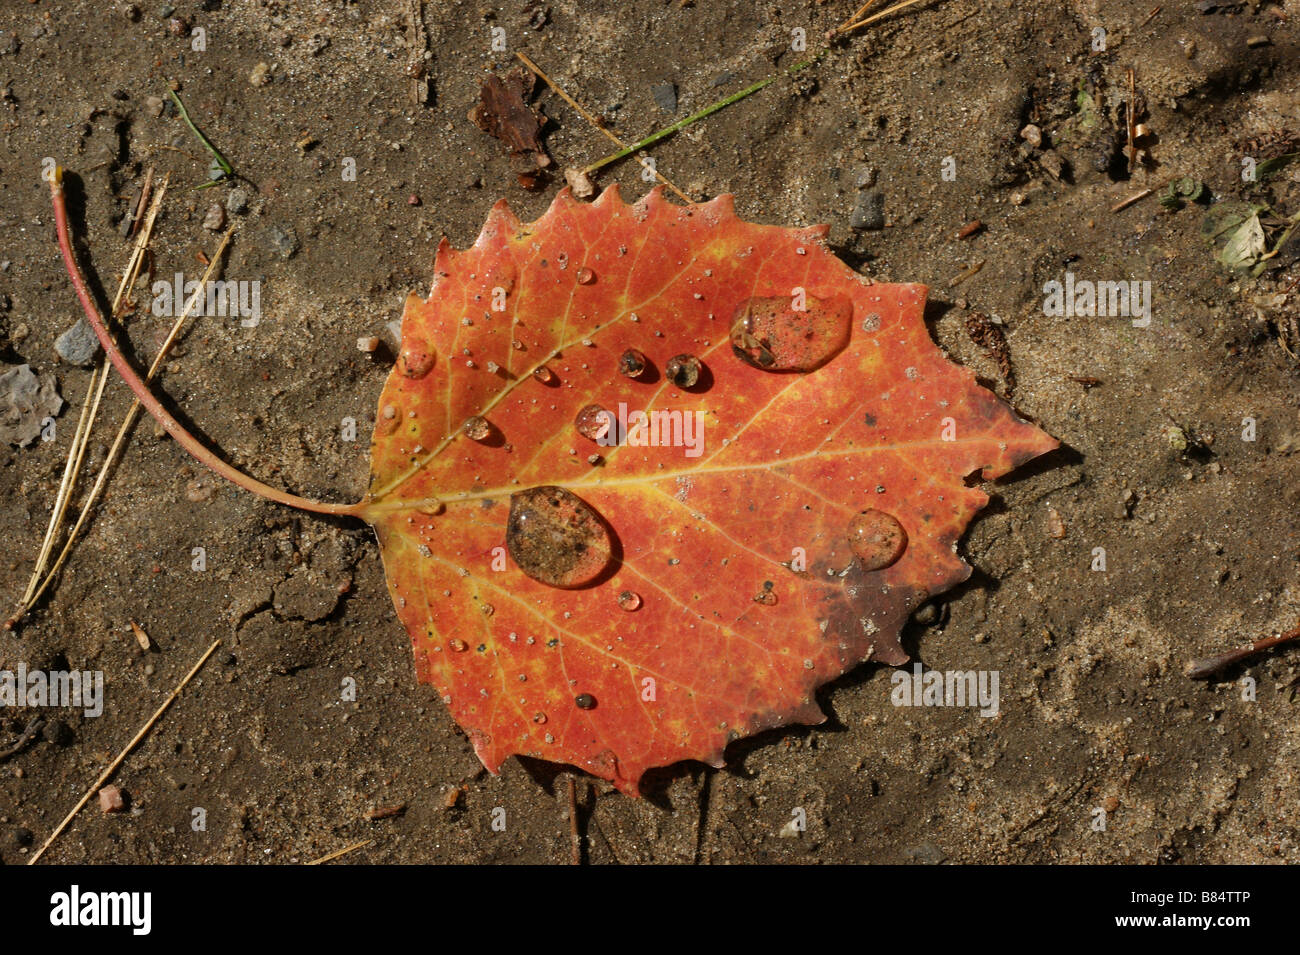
871	323
585	701
592	422
477	428
775	335
417	362
631	363
539	717
876	538
766	596
629	601
556	537
460	646
586	276
390	412
543	374
683	370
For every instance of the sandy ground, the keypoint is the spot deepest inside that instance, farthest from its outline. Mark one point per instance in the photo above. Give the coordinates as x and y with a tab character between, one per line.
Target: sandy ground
1097	719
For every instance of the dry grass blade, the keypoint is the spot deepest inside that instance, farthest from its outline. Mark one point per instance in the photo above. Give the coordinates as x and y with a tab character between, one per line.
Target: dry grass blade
124	429
340	852
594	122
848	28
112	767
36	586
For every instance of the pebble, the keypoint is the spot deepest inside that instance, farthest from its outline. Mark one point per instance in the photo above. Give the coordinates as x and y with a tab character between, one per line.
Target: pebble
665	95
153	105
928	614
927	853
260	76
215	218
864	177
236	201
111	799
1032	135
78	344
868	212
20	332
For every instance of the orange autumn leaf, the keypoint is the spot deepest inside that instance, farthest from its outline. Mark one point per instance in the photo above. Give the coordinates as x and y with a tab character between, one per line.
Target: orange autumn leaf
644	477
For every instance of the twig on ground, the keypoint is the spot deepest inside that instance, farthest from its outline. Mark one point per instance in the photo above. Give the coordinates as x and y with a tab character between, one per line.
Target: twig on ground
340	852
146	398
575	840
28	734
1206	667
585	114
112	767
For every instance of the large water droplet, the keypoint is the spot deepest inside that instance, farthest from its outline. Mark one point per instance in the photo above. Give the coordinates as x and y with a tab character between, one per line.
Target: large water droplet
477	428
631	363
592	422
629	600
586	276
417	362
788	333
683	370
585	701
556	537
543	374
876	538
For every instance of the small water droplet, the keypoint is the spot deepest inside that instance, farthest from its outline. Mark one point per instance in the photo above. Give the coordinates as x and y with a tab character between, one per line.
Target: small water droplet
683	370
586	276
775	335
629	601
539	717
871	323
417	362
543	374
488	610
556	537
876	538
460	646
592	422
585	701
477	428
766	596
631	363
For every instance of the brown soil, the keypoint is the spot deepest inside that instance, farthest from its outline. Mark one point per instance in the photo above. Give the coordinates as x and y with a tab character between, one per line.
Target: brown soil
1200	541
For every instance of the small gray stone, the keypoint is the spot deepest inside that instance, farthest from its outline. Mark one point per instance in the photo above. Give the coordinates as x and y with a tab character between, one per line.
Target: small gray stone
78	345
869	212
864	177
236	201
927	853
927	615
215	218
665	95
26	400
